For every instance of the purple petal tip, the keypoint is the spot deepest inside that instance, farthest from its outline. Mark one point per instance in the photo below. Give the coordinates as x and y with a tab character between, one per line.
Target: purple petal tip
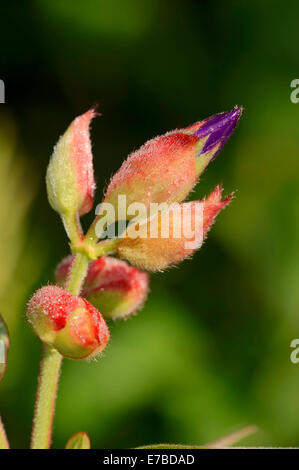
219	128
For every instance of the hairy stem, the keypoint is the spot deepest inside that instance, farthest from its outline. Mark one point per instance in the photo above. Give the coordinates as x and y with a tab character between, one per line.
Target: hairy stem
50	370
3	439
45	398
72	227
77	274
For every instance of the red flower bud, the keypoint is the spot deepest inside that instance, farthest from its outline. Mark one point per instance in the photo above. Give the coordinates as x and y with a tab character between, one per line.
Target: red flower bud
68	323
148	246
162	170
111	285
166	168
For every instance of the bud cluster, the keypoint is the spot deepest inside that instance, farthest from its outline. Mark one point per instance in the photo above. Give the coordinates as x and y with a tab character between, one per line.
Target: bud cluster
158	229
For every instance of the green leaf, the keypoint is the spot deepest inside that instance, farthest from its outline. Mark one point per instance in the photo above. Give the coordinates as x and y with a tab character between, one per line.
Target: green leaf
80	440
4	345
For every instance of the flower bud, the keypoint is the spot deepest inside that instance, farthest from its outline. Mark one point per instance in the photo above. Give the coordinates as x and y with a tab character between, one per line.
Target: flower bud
163	169
68	323
70	179
111	285
171	235
166	168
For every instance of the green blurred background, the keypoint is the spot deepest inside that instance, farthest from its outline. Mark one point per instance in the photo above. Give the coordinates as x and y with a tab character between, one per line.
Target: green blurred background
210	352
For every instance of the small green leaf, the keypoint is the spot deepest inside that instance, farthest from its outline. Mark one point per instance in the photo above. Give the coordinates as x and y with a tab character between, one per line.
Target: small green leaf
4	345
80	440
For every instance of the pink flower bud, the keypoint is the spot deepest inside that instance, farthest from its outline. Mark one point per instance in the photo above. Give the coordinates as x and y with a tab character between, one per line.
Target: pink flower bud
166	168
111	285
154	250
163	169
68	323
70	179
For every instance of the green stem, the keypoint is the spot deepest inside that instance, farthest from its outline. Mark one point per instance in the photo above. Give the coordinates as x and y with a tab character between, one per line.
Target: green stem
50	370
72	227
45	399
106	246
3	439
78	273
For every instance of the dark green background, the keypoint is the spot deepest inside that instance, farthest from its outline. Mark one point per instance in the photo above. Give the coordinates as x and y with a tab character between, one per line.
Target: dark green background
210	352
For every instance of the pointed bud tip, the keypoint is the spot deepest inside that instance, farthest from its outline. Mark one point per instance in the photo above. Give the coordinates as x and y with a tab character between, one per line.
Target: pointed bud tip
215	201
213	204
217	129
87	117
